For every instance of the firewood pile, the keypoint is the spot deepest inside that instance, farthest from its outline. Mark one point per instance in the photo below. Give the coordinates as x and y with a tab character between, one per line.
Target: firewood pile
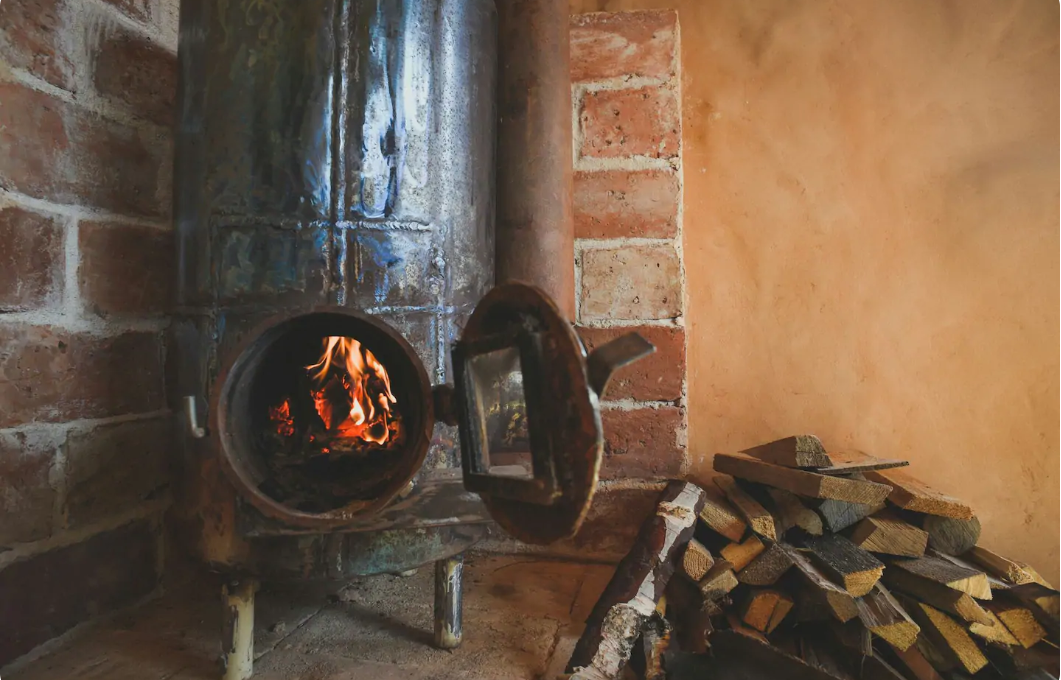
813	565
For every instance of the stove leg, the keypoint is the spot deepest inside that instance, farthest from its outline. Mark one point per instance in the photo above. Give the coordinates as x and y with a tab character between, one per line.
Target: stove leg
448	594
237	629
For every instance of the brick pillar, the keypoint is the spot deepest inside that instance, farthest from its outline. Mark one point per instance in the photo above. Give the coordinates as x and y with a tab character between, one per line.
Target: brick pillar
627	210
86	104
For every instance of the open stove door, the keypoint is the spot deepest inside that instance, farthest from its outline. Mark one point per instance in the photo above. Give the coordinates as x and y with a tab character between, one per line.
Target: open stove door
527	404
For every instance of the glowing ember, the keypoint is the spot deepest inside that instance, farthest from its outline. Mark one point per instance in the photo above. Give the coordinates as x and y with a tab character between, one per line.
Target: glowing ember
351	393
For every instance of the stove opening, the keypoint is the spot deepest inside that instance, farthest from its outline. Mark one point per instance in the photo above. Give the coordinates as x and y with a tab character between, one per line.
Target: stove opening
328	413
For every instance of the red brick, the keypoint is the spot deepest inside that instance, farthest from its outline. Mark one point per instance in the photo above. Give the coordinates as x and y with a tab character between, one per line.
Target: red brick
59	152
51	375
27	498
624	123
623	44
31	260
125	269
635	283
137	9
46	595
34	37
657	377
643	443
138	73
114	468
626	203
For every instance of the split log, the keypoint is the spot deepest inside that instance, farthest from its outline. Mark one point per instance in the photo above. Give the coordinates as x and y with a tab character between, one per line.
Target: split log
949	636
1039	656
890	536
655	641
910	494
949	574
937	595
847	462
916	663
747	658
996	632
1019	620
757	517
639	581
838	515
739	555
765	569
839	602
719	582
1010	571
696	560
846	563
792	513
719	516
802	450
818	653
853	636
883	616
951	536
765	608
691	615
737	626
799	481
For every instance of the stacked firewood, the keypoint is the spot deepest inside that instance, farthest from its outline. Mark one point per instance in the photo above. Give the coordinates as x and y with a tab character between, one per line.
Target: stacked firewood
804	564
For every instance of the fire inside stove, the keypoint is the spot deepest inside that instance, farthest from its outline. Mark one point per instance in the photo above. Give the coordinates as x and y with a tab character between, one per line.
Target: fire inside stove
354	409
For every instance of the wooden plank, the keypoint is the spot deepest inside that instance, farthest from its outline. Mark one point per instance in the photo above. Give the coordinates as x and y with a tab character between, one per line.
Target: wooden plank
791	513
802	450
883	616
696	560
936	594
839	602
719	516
949	574
996	632
845	563
948	635
765	569
951	536
784	605
801	482
755	515
838	515
1019	620
1010	571
639	581
847	462
911	494
890	536
739	555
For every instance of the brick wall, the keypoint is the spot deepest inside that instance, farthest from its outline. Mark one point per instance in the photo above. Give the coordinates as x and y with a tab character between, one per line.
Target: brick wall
627	207
86	103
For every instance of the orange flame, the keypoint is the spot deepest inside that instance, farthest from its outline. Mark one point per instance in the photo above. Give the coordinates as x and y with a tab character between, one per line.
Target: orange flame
360	380
281	415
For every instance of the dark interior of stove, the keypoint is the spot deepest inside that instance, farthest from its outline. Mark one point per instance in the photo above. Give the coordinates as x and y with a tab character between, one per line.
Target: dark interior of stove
326	411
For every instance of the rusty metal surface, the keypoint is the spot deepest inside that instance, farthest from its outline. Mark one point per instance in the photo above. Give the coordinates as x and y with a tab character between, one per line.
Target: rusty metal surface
535	231
572	417
329	152
341	556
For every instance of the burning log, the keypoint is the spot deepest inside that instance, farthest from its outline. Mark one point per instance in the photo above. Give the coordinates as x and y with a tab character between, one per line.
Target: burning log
630	597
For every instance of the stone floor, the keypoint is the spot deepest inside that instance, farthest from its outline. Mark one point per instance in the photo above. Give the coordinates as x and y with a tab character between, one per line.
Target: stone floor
521	619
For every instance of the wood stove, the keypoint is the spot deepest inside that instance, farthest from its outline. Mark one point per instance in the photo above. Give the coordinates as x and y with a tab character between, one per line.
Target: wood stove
359	400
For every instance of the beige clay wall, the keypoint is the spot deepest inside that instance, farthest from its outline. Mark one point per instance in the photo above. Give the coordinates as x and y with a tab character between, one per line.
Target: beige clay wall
871	239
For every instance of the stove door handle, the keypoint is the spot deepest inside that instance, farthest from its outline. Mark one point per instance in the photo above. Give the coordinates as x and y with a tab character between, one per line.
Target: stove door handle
191	414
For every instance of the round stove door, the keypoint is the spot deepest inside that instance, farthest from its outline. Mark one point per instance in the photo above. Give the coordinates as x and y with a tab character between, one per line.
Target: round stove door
527	400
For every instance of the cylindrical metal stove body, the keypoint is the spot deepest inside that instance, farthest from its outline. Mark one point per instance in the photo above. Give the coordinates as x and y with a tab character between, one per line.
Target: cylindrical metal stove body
329	152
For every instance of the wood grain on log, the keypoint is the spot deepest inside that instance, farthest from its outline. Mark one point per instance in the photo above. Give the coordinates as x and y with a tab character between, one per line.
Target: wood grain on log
721	517
757	517
792	513
996	632
846	462
911	494
637	585
1019	620
948	635
765	569
1010	571
696	560
890	536
802	450
840	603
739	555
846	563
883	616
951	536
949	574
801	482
936	594
838	515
